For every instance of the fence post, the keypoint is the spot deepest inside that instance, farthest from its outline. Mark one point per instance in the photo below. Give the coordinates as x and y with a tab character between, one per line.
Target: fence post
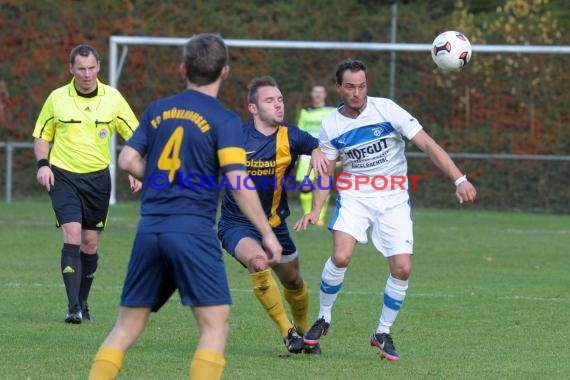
9	153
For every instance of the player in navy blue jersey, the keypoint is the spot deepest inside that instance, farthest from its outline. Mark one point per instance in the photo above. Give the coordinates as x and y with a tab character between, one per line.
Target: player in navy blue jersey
272	148
181	140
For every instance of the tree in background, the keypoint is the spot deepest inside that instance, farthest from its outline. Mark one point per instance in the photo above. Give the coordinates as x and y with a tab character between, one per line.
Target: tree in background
498	103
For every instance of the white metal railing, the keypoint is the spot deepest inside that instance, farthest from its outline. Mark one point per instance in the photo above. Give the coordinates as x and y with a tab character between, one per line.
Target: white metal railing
10	146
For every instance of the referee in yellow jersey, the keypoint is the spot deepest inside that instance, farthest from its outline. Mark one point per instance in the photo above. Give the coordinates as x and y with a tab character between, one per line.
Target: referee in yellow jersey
79	119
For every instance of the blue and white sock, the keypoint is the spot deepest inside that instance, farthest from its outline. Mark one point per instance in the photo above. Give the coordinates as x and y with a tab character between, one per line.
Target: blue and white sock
394	295
331	283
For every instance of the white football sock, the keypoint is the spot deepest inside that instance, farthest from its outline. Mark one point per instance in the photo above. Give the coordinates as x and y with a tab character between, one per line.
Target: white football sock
394	295
331	283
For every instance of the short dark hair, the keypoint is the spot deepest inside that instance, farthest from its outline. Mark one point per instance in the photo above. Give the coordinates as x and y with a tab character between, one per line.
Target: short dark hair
205	55
255	84
83	50
349	64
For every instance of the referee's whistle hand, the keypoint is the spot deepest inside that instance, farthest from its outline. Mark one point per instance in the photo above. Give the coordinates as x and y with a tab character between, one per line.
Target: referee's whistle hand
45	177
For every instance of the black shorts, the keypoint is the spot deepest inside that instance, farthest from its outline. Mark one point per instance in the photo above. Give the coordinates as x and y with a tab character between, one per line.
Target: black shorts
81	197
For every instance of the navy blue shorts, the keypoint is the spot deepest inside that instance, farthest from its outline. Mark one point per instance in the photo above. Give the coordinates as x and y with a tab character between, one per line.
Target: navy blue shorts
230	233
163	262
81	198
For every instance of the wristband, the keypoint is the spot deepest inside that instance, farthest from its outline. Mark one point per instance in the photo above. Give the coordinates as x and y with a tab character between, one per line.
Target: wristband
460	180
43	162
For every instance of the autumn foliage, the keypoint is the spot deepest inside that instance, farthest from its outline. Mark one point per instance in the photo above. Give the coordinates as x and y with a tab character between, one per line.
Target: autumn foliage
499	103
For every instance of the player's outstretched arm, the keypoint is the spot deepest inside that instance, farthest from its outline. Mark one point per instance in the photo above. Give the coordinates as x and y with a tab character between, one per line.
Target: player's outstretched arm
249	203
323	185
319	163
131	161
464	191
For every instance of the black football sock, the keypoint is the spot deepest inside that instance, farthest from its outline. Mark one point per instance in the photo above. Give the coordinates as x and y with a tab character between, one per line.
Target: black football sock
88	269
71	271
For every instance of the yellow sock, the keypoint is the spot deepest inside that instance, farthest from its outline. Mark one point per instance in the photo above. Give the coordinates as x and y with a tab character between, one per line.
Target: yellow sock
107	364
298	300
306	201
323	213
266	290
207	365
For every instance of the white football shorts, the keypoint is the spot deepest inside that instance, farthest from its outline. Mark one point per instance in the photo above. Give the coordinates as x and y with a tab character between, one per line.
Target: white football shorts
388	218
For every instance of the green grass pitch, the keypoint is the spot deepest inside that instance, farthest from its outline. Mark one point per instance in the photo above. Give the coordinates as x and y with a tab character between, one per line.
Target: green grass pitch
489	298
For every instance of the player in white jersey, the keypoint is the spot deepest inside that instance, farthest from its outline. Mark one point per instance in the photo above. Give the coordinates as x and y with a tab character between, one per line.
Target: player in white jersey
369	146
367	135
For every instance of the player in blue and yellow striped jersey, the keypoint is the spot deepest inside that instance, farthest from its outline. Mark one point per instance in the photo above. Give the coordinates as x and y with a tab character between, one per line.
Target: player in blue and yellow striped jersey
272	148
184	138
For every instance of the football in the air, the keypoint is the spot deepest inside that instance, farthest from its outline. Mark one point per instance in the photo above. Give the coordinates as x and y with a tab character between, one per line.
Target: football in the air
451	50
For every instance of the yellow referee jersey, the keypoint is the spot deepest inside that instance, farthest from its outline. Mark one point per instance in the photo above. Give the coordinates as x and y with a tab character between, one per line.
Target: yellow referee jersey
81	128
